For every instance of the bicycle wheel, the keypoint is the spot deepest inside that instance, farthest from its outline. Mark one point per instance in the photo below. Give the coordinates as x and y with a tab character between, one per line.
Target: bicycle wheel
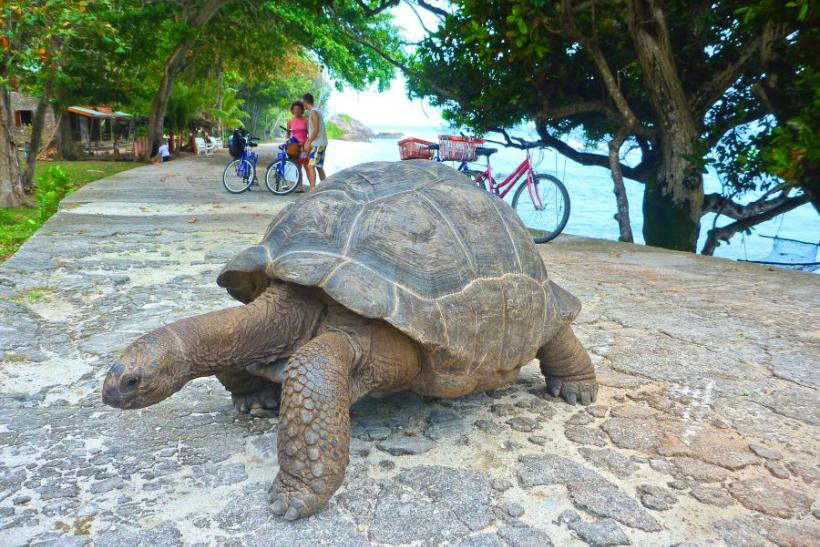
283	176
238	176
477	177
545	209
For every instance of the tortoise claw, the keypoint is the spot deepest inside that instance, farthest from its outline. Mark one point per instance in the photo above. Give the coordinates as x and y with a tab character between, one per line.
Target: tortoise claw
572	390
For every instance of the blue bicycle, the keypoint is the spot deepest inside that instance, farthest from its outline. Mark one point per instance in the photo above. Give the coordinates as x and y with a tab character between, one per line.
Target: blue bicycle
284	175
240	173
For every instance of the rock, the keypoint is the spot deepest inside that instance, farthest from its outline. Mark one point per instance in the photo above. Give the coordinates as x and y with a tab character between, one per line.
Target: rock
757	530
643	435
538	440
588	490
518	534
764	452
501	484
655	497
585	435
512	508
808	473
698	470
399	444
353	129
662	465
711	496
777	470
465	494
523	424
580	418
489	426
599	411
715	447
609	459
21	500
765	497
600	533
446	423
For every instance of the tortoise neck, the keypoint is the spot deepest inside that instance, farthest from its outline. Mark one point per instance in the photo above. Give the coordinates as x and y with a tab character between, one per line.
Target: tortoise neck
270	327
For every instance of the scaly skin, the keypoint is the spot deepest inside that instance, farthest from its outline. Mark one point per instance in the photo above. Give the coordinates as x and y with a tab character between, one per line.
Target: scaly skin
568	369
314	426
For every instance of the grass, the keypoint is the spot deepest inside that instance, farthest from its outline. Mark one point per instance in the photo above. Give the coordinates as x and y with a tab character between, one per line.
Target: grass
333	130
19	223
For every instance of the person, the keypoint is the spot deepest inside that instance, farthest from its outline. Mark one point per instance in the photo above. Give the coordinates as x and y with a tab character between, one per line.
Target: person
316	143
163	151
298	126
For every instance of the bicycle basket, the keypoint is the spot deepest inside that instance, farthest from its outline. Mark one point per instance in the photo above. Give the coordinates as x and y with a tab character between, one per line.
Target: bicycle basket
415	149
294	150
454	148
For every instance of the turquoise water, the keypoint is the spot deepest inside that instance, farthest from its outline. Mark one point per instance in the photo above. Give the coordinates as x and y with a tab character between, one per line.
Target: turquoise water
593	202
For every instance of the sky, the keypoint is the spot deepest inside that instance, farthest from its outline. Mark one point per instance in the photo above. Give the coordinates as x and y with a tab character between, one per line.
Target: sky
370	107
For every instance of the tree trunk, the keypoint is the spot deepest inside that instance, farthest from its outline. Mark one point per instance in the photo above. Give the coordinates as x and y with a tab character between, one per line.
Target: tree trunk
37	134
622	216
159	105
173	66
11	183
67	149
673	199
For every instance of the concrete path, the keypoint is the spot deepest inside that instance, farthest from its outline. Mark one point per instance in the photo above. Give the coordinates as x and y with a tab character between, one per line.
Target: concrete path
705	432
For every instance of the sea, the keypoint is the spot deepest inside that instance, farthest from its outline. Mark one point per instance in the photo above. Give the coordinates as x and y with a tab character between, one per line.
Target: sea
591	194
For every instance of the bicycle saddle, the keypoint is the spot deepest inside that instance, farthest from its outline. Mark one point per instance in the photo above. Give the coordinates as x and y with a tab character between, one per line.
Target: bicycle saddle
481	151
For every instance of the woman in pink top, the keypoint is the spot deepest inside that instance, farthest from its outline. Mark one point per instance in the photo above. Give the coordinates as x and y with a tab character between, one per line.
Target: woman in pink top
298	126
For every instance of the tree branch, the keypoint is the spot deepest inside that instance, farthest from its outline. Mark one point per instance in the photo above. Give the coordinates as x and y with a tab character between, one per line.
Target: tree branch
725	233
431	8
710	92
380	7
722	205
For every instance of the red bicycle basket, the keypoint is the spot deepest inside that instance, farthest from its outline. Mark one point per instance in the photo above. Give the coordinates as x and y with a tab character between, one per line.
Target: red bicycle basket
453	148
415	149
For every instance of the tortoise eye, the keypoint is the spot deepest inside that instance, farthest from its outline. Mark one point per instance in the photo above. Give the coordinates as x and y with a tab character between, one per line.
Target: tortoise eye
131	381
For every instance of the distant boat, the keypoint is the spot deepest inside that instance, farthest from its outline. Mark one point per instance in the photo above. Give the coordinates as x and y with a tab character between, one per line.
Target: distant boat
791	254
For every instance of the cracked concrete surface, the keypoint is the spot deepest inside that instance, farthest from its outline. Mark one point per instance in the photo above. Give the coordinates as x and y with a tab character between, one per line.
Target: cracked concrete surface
705	431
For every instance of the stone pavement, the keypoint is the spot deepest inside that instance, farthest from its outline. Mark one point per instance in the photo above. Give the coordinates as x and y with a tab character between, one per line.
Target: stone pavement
705	431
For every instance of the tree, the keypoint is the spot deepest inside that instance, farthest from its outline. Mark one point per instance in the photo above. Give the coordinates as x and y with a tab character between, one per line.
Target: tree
38	37
671	79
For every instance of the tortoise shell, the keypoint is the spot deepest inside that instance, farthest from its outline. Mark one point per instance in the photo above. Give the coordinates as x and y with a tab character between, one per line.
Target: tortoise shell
415	244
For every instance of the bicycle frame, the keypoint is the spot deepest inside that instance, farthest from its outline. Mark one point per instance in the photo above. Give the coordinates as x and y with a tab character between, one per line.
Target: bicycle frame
502	188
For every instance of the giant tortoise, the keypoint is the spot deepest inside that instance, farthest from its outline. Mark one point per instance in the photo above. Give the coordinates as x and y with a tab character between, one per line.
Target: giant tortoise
390	277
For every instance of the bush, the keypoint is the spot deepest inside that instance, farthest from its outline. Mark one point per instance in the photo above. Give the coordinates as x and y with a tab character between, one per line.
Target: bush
51	188
334	131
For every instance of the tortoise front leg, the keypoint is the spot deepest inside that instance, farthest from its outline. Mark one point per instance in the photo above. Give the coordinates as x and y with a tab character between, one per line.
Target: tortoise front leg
568	369
314	426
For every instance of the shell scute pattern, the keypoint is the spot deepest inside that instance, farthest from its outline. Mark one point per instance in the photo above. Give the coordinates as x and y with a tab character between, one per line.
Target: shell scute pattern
415	244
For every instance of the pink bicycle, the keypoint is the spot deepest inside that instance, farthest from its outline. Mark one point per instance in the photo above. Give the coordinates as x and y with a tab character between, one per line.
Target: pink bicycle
542	201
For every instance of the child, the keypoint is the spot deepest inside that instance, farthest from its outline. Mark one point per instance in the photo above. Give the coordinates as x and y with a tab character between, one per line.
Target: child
164	152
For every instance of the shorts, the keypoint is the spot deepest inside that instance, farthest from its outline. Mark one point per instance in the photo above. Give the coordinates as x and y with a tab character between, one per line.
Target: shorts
166	158
316	158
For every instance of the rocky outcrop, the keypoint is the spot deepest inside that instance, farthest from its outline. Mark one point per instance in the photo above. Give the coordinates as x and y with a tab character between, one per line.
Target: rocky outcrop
353	129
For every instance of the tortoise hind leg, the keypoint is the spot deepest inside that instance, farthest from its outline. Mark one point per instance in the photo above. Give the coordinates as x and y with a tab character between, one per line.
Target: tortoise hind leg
314	426
568	369
249	391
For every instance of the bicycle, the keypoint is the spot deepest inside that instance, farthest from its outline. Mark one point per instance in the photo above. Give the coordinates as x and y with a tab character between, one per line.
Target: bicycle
284	175
545	206
240	173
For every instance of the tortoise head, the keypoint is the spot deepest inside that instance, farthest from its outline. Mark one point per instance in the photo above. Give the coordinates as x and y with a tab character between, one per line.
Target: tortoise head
151	369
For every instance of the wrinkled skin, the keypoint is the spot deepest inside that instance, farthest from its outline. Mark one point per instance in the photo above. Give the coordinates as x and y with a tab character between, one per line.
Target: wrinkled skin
292	344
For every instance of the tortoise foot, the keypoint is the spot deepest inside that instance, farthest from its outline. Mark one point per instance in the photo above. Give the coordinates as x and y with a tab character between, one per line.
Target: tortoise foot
291	498
265	398
573	390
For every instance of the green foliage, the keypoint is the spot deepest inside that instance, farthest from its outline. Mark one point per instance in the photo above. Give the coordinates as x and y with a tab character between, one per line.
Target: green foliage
51	188
333	130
